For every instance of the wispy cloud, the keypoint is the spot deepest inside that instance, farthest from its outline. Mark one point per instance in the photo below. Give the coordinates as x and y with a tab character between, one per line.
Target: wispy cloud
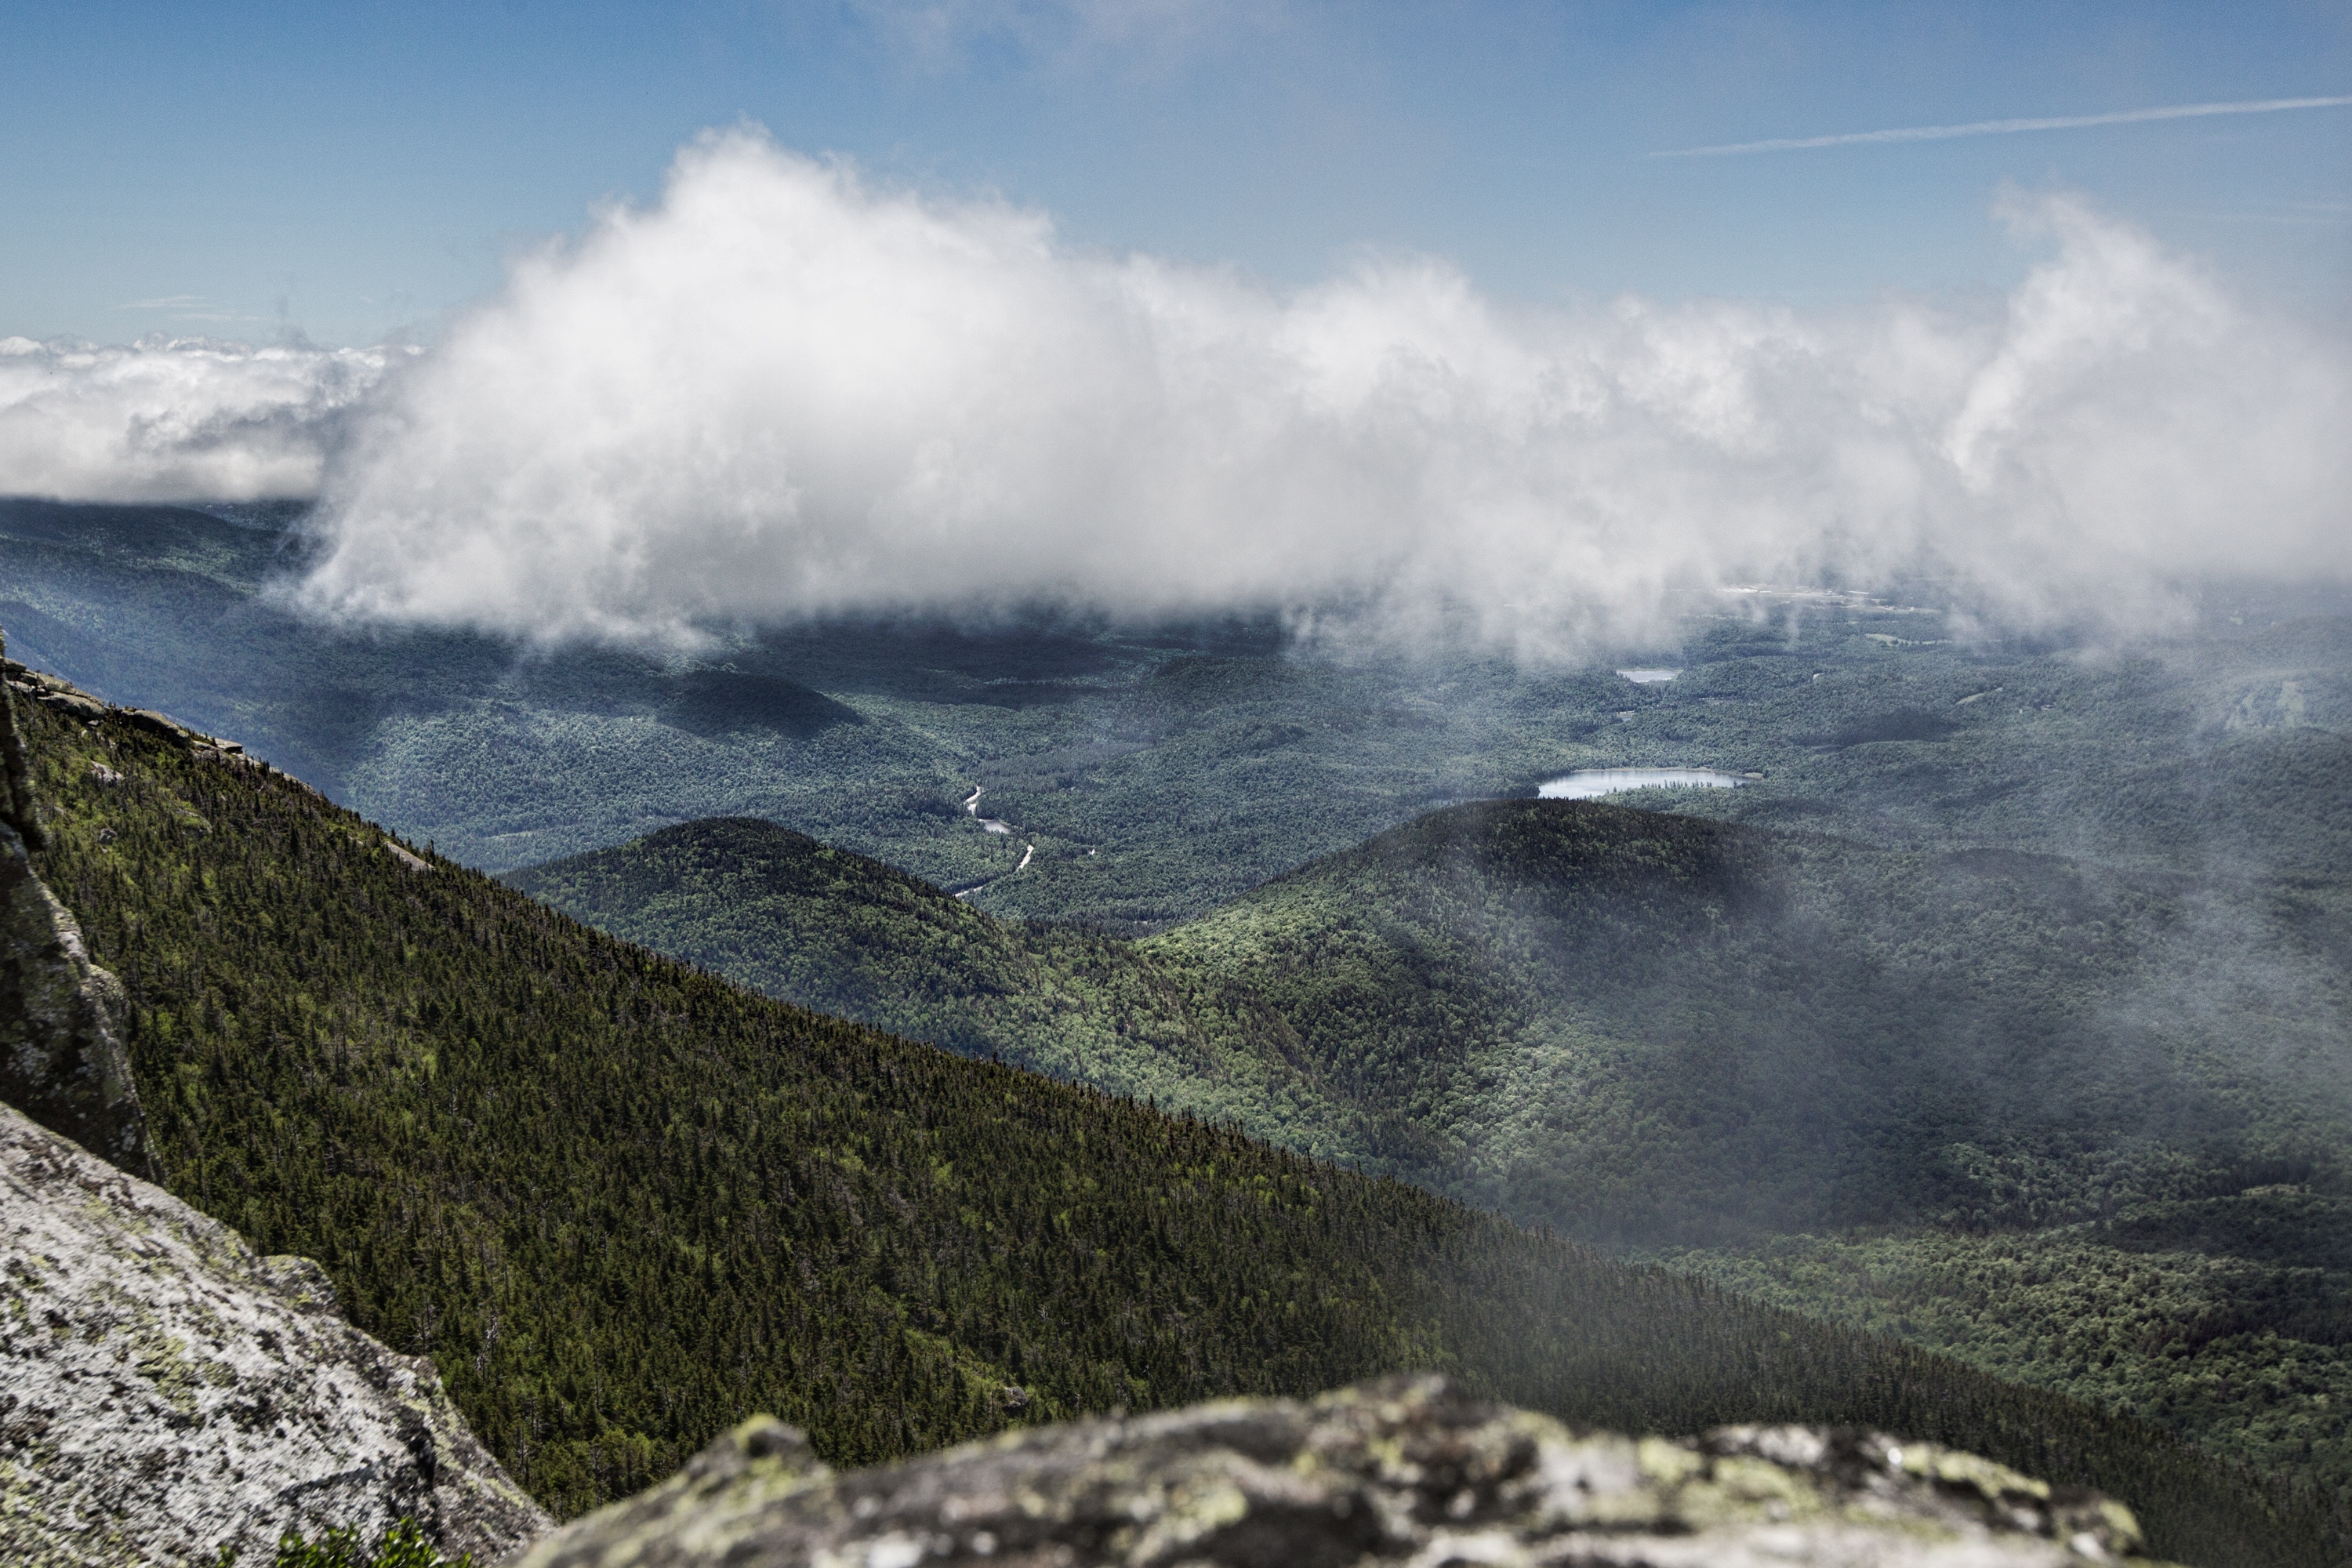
194	308
2008	127
940	36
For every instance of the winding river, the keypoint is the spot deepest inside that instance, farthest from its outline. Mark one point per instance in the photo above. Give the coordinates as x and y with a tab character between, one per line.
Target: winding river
994	825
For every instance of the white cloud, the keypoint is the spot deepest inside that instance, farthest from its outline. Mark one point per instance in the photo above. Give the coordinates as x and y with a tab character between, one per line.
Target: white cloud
169	419
779	392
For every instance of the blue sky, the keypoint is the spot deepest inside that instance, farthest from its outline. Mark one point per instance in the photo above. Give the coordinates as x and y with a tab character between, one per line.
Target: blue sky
349	170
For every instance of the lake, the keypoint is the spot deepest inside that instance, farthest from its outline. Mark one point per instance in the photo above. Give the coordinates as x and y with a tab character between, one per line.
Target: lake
1588	782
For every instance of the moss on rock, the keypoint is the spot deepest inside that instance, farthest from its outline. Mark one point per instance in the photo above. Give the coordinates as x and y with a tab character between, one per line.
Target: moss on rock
1406	1471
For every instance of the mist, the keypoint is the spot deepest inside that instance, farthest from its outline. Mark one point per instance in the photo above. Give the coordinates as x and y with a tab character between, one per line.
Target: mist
780	391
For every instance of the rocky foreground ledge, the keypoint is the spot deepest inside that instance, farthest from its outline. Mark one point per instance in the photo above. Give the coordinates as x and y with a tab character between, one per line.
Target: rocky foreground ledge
1406	1471
165	1393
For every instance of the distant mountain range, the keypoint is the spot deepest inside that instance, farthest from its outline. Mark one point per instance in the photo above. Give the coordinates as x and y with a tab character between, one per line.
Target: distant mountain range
1158	772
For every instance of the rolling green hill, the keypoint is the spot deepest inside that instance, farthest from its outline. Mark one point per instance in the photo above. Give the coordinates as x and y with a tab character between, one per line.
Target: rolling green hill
621	1202
1636	1025
1666	1032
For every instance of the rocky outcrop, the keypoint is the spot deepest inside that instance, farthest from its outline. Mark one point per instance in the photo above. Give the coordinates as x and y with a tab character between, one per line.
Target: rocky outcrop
1407	1471
55	691
164	1392
15	769
62	1059
50	691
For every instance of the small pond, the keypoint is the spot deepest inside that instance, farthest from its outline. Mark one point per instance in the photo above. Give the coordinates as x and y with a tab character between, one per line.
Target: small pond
1648	676
1589	782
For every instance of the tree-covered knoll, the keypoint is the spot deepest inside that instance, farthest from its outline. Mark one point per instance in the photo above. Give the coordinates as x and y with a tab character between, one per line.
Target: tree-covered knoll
622	1203
836	932
1638	1024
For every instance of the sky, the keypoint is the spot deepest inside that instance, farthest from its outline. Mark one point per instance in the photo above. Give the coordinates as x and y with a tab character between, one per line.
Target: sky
634	323
353	172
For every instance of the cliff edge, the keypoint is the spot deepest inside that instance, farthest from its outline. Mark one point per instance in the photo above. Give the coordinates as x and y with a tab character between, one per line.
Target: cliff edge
62	1060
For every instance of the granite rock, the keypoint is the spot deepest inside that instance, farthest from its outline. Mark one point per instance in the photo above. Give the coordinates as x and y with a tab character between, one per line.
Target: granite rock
62	1059
165	1392
1407	1471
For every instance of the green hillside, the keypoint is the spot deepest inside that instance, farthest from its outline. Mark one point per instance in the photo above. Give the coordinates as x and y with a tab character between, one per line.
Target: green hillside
829	930
1668	1033
1630	1024
2229	1318
621	1203
1639	1025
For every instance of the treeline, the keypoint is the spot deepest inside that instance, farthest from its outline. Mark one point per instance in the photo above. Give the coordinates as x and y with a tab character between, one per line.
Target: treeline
622	1202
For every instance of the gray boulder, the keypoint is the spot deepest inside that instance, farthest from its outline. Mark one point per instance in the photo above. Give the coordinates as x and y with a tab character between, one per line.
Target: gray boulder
164	1392
1405	1471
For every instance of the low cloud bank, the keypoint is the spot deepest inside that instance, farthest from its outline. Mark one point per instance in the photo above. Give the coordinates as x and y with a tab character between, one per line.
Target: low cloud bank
174	419
779	392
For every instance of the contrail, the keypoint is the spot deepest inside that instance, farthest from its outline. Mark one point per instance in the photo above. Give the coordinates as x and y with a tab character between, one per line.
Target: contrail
2008	127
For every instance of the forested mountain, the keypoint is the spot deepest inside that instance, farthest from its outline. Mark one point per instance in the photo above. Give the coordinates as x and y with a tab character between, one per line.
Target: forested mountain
1632	1025
1666	1032
1639	1024
2053	999
621	1202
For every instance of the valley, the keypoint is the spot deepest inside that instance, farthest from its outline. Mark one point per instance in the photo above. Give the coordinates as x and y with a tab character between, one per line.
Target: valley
1160	771
1990	1010
622	1204
1698	1042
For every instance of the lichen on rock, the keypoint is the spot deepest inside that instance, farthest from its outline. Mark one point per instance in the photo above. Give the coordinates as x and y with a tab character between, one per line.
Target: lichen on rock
164	1392
1406	1471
